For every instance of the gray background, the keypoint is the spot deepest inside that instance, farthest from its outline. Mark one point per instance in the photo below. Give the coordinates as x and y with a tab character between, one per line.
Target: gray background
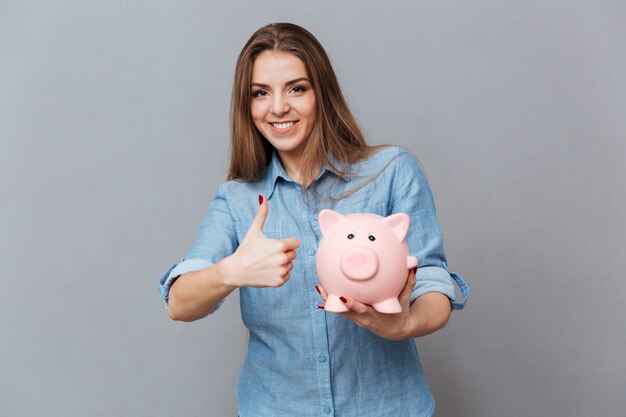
113	130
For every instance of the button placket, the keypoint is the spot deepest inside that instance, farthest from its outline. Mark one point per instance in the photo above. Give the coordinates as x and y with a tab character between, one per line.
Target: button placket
320	352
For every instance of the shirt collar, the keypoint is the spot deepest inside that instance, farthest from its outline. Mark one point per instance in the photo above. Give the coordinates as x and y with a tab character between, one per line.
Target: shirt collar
275	170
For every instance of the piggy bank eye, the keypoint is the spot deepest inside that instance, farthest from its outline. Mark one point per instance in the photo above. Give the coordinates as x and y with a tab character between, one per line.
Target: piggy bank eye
350	235
371	237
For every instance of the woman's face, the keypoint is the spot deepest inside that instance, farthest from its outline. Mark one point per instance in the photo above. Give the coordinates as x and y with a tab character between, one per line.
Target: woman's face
282	102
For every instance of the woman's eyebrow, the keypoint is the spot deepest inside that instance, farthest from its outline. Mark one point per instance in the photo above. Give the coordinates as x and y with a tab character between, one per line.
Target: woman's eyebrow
255	84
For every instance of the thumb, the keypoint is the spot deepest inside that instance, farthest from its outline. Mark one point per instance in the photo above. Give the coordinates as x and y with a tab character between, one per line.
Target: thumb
408	286
261	214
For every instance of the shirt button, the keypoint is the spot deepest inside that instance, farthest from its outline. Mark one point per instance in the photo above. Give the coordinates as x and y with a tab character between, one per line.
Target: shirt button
321	358
327	410
315	216
311	252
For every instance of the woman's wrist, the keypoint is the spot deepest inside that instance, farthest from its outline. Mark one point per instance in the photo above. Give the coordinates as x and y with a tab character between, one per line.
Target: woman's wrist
226	273
411	326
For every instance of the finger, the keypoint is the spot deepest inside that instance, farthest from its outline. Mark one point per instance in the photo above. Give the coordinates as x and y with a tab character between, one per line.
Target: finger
261	215
278	260
289	244
291	255
284	278
408	287
284	269
321	291
356	306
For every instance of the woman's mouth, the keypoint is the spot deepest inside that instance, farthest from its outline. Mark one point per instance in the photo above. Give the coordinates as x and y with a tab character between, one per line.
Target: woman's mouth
282	127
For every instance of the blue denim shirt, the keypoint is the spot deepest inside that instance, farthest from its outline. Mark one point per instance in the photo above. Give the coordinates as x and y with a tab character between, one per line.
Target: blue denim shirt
302	361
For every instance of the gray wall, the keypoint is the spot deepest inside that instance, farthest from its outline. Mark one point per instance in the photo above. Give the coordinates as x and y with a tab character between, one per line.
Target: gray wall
113	134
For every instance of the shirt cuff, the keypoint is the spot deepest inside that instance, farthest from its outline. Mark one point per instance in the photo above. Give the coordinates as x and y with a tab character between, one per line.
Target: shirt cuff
437	279
174	271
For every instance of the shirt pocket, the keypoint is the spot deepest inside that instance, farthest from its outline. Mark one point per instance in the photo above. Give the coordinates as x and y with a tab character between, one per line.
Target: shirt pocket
364	206
271	231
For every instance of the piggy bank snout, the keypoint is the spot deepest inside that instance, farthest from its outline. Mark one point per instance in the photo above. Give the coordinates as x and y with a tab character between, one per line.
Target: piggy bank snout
359	263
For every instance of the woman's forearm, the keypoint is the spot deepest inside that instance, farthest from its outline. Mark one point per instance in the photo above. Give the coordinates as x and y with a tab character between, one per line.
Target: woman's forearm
429	313
195	294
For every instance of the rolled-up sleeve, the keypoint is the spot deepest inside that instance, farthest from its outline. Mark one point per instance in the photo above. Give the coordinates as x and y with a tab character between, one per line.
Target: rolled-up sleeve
412	195
215	240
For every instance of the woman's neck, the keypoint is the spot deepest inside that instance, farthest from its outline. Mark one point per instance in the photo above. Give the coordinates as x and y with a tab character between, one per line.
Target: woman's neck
293	167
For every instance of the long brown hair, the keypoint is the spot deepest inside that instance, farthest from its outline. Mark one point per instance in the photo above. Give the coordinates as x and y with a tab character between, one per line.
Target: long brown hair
335	132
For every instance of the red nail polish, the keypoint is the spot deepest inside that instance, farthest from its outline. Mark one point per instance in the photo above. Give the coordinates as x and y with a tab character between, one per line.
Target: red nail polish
318	290
321	307
343	299
260	199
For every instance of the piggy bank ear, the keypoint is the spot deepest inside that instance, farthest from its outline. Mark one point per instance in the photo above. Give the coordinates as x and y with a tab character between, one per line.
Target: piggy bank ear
399	222
328	218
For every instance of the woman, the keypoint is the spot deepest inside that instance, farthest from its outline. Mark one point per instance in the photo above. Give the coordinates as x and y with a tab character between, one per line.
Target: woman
297	149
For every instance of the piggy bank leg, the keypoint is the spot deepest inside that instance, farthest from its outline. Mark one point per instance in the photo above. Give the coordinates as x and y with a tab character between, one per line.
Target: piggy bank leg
390	306
334	304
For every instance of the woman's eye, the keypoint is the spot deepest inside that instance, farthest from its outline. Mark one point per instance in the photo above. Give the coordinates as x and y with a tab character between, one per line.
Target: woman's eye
371	237
298	89
350	235
259	93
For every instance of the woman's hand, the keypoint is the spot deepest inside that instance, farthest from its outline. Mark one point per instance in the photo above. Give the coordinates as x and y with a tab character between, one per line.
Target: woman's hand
428	313
259	261
390	326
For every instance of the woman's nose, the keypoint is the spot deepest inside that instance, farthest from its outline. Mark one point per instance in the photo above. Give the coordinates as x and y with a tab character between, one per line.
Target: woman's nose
280	105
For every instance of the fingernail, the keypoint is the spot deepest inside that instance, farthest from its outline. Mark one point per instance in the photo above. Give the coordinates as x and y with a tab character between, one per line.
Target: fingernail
320	306
318	290
343	299
260	199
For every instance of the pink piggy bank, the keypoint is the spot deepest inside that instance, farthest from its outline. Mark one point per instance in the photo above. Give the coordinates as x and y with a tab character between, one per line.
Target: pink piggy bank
363	256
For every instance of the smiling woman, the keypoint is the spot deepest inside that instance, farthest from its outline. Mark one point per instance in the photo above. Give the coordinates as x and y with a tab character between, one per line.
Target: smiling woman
261	87
283	106
293	136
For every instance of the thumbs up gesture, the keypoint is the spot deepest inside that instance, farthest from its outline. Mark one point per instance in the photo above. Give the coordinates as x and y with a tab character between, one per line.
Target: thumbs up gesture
260	261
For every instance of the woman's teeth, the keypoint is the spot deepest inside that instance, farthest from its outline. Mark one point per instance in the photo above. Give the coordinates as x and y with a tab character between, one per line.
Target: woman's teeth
282	125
